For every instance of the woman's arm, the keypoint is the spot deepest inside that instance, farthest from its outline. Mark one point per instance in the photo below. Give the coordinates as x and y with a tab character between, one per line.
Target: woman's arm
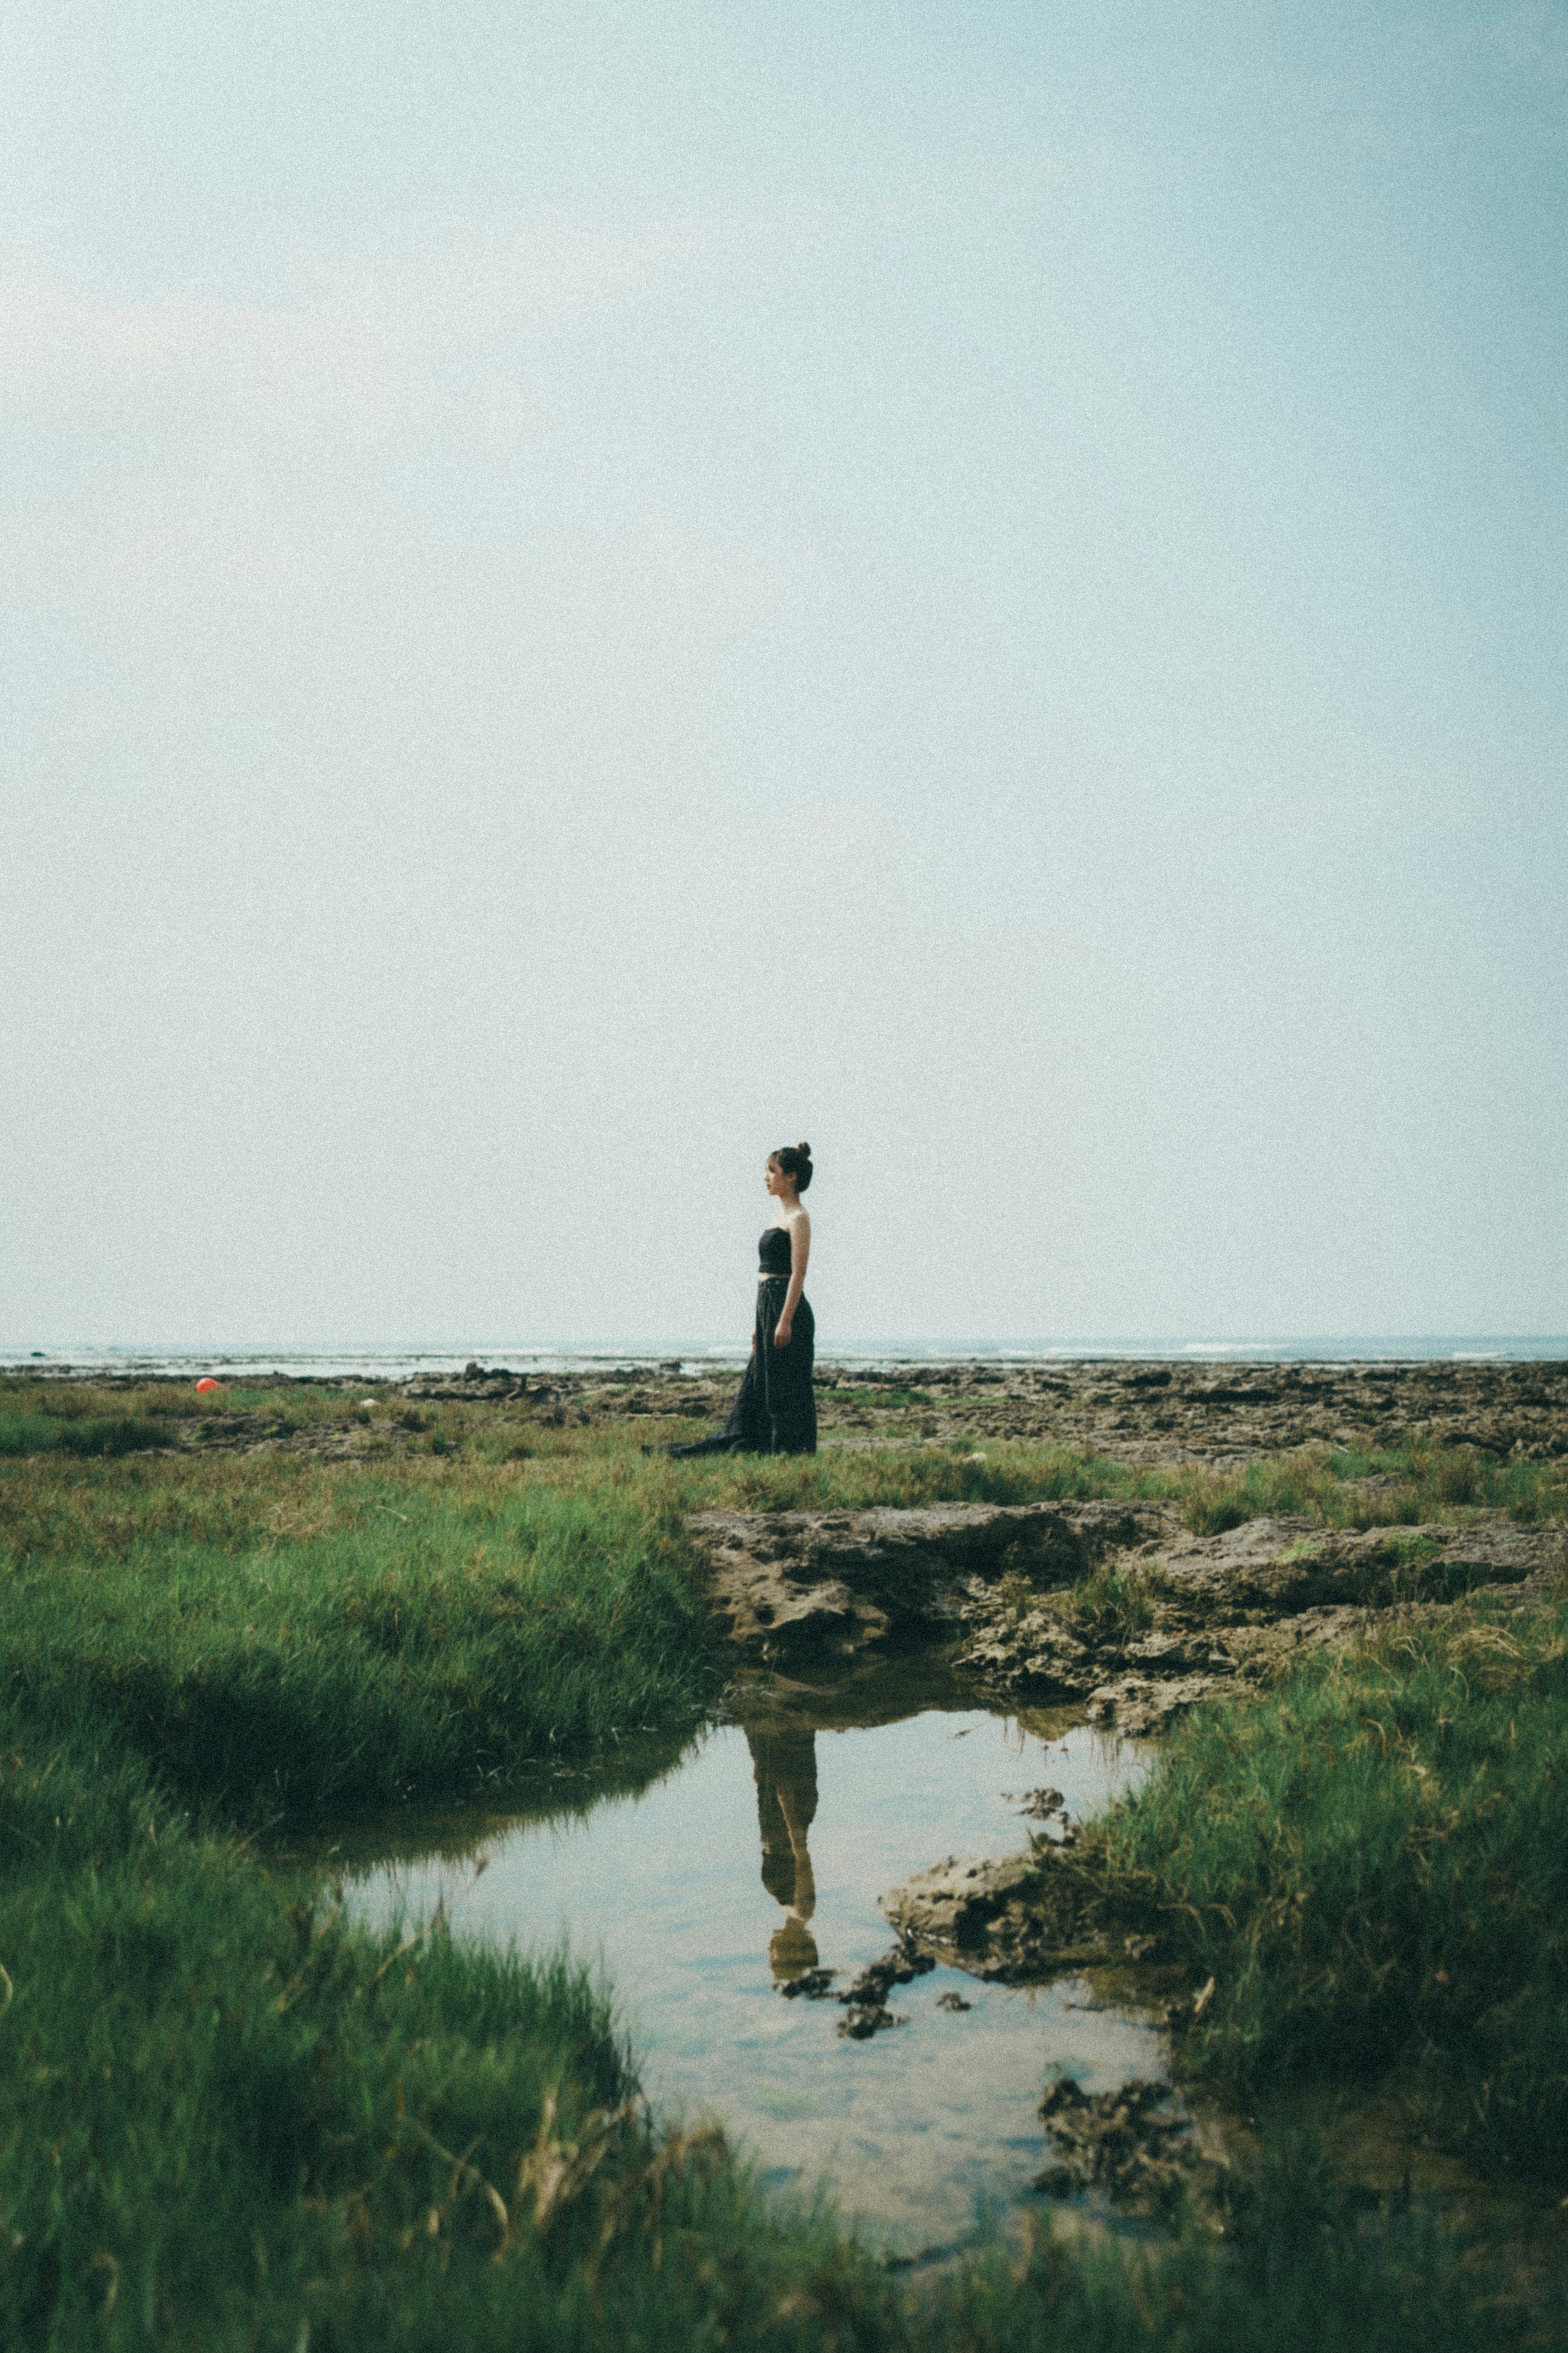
799	1251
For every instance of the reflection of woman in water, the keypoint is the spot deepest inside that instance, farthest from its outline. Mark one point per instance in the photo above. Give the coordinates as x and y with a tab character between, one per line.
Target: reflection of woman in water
775	1413
785	1764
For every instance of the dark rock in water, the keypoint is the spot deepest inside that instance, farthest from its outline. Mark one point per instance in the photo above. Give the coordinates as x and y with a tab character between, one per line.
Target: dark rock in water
992	1918
866	2001
814	1985
858	2025
953	2001
901	1965
1126	2143
1041	1803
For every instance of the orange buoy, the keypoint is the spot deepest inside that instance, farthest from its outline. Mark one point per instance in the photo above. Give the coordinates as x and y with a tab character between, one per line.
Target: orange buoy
208	1382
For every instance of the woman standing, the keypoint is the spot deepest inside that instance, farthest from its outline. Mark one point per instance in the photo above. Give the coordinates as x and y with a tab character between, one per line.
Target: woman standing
775	1413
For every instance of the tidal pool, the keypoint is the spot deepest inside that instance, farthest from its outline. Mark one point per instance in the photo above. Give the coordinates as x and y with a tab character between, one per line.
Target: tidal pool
701	1877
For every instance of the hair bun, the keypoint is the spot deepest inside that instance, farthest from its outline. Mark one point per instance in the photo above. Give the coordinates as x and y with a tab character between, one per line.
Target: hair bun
803	1150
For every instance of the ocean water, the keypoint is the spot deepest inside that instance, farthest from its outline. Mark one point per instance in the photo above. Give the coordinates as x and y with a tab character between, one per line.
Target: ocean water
350	1363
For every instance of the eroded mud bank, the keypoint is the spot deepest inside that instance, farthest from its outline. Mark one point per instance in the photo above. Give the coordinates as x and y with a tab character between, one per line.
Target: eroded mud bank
1114	1604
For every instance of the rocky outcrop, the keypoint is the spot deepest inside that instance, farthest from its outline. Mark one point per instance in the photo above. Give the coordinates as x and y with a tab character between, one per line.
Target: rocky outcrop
1280	1567
1194	1613
998	1919
790	1586
1178	1619
478	1385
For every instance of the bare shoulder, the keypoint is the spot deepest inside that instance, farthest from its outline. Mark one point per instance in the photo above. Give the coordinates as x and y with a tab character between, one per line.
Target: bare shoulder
799	1222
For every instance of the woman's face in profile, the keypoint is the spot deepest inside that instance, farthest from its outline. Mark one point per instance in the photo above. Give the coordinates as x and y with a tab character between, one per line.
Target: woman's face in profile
772	1175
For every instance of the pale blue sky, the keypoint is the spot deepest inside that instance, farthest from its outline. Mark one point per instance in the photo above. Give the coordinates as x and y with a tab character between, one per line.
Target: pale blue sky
587	591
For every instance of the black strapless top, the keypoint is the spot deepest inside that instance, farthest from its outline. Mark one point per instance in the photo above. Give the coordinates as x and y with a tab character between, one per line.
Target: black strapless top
774	1251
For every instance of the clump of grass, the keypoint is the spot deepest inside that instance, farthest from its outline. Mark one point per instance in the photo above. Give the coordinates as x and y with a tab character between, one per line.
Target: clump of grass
39	1433
222	2106
1413	1484
1372	1864
1406	1548
866	1398
1458	1479
1112	1603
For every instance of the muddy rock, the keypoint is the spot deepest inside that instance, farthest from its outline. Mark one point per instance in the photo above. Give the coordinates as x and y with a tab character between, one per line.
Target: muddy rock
866	2001
1210	1610
1039	1803
810	1984
786	1585
901	1965
1138	1707
988	1918
1283	1566
1128	2143
953	1903
866	2019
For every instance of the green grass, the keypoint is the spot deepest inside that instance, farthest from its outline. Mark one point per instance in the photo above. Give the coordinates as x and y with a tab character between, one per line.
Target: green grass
1416	1482
989	1472
39	1433
1372	1862
348	1643
219	2105
1112	1603
885	1400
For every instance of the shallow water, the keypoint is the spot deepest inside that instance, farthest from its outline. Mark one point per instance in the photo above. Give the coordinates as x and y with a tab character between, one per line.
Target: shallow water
701	1878
251	1364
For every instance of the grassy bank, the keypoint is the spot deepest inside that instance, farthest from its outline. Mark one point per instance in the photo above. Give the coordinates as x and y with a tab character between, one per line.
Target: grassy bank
284	1637
1372	1862
286	1634
282	1642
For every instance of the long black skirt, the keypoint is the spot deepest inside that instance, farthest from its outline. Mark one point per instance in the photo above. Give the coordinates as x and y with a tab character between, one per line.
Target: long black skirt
775	1413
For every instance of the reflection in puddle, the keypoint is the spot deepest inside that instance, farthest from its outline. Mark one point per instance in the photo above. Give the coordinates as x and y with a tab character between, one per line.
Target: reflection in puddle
703	1877
785	1767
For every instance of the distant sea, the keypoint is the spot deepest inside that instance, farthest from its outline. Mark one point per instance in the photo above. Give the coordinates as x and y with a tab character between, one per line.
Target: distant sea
870	1356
